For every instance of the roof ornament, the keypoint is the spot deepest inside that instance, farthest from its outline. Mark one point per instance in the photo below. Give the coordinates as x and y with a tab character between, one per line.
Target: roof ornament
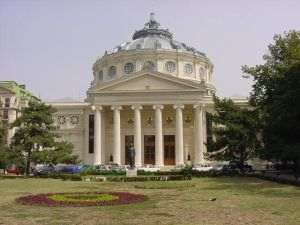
152	24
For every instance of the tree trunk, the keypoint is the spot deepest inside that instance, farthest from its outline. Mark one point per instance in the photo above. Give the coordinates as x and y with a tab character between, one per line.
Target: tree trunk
28	162
296	169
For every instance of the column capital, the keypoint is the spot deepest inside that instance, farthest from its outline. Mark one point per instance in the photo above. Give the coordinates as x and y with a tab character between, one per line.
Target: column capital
178	106
158	106
136	107
96	107
116	107
199	105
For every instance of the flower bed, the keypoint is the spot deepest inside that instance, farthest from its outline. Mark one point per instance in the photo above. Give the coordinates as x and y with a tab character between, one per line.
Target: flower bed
81	199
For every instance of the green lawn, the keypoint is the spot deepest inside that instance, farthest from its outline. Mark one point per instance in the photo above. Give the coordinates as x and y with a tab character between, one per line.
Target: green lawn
238	201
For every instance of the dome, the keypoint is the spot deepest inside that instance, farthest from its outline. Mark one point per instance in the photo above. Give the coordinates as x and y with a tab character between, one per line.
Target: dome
152	36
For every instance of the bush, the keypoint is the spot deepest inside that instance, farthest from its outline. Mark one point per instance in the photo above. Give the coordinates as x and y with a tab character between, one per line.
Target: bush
148	178
73	177
93	171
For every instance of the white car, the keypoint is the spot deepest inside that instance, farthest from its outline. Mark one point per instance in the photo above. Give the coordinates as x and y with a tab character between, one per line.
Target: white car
202	167
149	168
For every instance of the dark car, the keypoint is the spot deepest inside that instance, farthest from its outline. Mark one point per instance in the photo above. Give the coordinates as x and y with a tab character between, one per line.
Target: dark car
65	168
43	169
236	166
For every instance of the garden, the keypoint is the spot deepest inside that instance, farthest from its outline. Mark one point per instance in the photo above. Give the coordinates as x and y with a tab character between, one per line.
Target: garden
221	200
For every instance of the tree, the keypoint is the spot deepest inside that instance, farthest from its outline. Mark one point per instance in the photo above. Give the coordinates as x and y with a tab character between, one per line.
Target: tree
276	95
61	153
36	133
2	134
235	132
3	148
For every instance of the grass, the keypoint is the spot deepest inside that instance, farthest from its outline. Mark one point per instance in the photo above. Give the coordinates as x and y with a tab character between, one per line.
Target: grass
82	197
238	201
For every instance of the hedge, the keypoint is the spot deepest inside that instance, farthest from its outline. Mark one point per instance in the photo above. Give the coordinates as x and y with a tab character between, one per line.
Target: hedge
148	178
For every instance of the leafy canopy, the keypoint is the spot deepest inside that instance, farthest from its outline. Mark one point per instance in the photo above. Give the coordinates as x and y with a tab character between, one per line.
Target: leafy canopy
234	132
276	95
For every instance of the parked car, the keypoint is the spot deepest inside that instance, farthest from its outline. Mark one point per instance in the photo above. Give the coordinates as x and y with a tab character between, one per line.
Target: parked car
236	166
13	170
149	168
67	168
202	167
217	167
43	169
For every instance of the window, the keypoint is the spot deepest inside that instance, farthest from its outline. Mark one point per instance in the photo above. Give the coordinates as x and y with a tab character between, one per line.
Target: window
201	72
149	66
128	68
112	71
5	114
138	46
91	133
100	75
170	66
188	68
7	103
157	44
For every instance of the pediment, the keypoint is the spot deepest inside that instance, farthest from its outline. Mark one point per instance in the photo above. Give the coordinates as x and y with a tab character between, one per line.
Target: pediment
148	82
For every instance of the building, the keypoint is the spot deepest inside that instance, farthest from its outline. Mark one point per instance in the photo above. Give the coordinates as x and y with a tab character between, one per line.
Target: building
153	92
13	97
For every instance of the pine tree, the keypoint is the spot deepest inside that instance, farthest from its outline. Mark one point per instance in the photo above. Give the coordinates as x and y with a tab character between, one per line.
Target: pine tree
35	133
234	132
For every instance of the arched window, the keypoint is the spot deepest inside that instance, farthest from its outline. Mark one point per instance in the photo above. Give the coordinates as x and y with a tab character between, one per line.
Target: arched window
128	68
112	71
149	66
170	66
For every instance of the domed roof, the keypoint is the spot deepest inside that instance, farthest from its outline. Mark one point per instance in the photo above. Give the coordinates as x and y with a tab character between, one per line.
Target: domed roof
152	36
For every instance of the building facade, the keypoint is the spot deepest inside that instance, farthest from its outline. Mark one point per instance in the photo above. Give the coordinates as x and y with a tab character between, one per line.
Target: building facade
13	97
153	92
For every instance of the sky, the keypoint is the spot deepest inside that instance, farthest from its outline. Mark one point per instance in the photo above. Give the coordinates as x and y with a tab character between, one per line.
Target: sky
51	45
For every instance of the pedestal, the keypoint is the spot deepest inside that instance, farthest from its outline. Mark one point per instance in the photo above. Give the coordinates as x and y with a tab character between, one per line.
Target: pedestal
131	172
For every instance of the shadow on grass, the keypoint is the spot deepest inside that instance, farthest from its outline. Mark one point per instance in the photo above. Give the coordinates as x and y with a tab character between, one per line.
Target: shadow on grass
244	185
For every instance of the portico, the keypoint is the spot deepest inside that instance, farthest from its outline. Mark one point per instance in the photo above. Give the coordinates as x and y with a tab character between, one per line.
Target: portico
165	120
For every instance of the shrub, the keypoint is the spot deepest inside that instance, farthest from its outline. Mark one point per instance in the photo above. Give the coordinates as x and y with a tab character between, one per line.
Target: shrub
148	178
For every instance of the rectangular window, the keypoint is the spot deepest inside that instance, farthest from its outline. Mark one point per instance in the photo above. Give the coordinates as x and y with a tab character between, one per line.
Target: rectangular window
7	103
5	114
91	133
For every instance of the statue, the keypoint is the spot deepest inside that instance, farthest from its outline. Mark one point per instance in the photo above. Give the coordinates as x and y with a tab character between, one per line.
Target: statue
131	152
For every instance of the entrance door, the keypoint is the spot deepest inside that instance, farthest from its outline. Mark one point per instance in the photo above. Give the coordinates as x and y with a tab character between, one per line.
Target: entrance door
149	149
129	139
169	149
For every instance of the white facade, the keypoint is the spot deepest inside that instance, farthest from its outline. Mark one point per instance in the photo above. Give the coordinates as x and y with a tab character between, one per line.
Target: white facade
13	97
153	92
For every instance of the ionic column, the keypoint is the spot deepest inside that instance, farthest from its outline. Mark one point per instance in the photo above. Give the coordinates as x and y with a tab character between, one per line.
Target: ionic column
179	135
117	134
159	154
198	138
137	134
98	135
